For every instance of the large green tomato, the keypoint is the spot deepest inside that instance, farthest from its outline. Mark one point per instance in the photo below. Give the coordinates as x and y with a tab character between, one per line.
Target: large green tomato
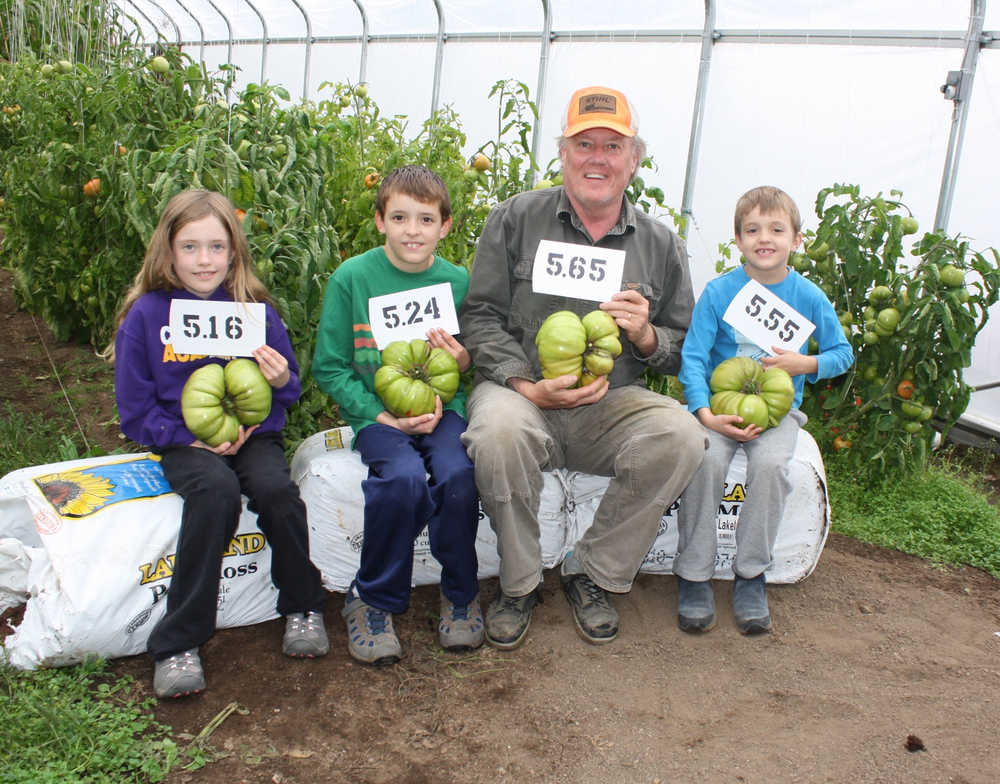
584	347
742	387
561	341
216	400
412	374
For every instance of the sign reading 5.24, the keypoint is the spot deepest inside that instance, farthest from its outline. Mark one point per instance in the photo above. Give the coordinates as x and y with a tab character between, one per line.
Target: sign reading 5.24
766	319
405	315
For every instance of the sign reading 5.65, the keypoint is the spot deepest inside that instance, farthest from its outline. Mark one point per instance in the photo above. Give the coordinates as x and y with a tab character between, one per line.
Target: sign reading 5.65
406	315
766	319
221	329
578	271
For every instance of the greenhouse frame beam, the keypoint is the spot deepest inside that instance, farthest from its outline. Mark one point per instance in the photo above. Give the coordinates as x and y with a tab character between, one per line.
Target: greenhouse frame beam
958	89
142	13
229	29
990	39
708	39
169	18
543	71
362	71
201	30
309	41
438	58
264	39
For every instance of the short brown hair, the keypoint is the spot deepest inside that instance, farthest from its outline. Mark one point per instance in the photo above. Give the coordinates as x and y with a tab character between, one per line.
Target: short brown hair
767	199
417	182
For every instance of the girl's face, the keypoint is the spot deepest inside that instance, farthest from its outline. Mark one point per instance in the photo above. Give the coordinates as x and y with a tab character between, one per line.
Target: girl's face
202	255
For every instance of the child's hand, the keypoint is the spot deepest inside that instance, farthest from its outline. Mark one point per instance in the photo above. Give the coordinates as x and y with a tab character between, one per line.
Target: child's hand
439	338
414	426
795	363
273	365
229	447
728	425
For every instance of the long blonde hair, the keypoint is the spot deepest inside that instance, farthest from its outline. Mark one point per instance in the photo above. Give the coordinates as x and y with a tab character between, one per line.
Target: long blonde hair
157	271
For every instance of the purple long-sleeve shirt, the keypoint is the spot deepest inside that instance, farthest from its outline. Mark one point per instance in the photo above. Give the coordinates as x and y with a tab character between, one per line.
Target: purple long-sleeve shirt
149	375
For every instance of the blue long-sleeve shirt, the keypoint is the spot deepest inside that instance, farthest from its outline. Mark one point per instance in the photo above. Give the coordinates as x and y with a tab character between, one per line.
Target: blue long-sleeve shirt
710	340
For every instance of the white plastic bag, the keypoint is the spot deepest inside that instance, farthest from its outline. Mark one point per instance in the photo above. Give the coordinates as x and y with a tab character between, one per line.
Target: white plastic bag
89	546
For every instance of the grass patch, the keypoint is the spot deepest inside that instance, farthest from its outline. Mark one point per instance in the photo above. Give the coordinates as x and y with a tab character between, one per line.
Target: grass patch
79	724
942	514
33	439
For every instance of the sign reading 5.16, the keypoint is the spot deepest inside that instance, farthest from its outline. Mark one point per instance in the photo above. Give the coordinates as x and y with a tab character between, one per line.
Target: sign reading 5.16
221	329
578	271
405	315
767	320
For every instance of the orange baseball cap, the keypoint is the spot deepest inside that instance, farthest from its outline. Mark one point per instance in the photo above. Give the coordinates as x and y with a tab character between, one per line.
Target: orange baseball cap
599	107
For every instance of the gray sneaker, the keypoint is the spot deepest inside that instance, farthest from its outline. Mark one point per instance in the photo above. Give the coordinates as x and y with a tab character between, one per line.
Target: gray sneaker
695	606
461	628
750	605
305	636
370	636
596	619
178	675
508	618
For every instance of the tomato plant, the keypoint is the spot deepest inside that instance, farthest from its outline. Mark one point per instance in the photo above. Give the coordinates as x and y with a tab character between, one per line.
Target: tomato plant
912	326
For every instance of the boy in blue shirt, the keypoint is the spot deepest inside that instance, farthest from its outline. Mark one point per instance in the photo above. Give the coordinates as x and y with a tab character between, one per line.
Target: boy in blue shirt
768	229
413	211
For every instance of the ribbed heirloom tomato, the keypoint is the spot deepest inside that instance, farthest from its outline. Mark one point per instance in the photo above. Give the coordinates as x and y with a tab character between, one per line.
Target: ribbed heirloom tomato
412	373
585	348
216	400
742	387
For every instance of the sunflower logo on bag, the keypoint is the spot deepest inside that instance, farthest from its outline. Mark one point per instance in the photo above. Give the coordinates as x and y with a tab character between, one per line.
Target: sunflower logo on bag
75	493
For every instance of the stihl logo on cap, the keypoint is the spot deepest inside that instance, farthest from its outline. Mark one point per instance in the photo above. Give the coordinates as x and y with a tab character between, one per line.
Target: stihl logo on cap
598	102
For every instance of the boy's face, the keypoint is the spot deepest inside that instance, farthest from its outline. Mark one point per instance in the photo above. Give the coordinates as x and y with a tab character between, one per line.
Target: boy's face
766	241
412	229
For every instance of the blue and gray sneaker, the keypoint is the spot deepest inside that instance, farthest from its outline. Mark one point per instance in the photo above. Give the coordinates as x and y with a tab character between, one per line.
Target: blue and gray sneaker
370	636
461	628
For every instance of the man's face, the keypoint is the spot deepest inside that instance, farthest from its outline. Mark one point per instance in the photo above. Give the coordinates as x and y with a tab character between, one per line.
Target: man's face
597	166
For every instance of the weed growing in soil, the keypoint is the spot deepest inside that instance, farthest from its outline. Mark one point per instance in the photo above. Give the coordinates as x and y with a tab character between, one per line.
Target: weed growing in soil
942	513
79	724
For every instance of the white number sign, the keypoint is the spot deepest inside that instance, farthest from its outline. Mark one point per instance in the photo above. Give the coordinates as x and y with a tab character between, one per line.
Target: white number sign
218	329
406	315
767	320
578	271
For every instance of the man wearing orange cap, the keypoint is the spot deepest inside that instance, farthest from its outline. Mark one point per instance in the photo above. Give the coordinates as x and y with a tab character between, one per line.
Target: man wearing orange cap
549	250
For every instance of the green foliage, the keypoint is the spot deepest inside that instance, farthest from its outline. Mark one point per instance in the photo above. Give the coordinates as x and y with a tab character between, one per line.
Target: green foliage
940	513
78	724
916	324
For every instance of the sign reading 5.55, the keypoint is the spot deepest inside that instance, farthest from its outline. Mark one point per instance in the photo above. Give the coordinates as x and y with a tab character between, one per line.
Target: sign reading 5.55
578	271
406	315
221	329
767	320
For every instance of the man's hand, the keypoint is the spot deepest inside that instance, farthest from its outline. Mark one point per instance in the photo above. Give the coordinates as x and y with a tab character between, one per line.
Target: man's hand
414	426
728	425
559	392
631	313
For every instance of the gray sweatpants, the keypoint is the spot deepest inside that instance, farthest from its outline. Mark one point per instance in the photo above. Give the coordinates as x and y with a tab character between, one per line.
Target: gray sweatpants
767	487
648	443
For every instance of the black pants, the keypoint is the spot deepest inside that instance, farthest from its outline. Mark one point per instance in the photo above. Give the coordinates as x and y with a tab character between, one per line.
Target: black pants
211	487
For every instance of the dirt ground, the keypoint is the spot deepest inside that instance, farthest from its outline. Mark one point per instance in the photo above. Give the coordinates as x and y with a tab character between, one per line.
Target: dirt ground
881	668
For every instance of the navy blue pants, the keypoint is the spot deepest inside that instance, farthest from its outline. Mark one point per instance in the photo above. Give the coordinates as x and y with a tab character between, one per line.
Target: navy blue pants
211	486
400	500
